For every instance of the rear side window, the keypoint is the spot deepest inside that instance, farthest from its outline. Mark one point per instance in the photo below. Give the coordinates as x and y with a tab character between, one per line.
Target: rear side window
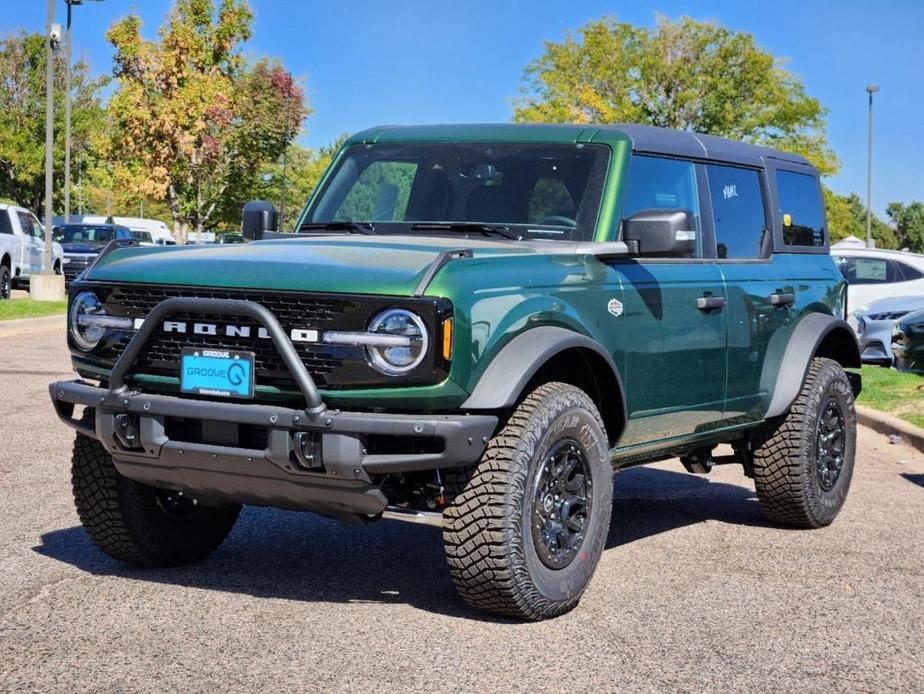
5	226
738	211
908	272
802	213
663	184
861	270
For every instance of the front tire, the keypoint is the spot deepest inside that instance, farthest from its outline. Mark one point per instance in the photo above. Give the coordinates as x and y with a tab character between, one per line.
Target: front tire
139	524
6	282
525	533
803	462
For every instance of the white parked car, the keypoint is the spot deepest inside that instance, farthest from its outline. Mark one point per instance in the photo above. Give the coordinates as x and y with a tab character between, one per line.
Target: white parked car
22	244
873	274
874	323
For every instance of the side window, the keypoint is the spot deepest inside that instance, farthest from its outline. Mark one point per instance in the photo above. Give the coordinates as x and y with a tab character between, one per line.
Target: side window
738	211
380	193
6	227
801	210
550	198
30	225
908	272
666	184
860	270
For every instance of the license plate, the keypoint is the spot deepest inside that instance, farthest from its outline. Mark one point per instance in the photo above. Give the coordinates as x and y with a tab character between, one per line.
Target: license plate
224	373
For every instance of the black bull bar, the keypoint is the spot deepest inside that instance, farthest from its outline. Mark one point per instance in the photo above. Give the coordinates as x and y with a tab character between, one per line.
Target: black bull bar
316	458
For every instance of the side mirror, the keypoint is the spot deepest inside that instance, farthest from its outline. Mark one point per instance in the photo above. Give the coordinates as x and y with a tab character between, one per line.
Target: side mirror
661	233
259	216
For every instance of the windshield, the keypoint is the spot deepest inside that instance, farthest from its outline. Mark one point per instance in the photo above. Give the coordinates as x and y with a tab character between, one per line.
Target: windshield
79	233
548	191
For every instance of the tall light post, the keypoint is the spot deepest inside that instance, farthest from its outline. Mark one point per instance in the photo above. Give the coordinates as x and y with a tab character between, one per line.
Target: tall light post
871	89
54	40
67	113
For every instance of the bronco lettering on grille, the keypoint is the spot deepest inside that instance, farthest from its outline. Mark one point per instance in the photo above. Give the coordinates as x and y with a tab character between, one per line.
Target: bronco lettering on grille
182	327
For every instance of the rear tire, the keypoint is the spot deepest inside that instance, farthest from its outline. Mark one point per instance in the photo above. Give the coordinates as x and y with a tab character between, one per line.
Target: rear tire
527	527
139	524
803	462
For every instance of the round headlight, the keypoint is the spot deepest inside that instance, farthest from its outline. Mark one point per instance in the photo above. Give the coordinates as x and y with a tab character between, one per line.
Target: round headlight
86	336
403	345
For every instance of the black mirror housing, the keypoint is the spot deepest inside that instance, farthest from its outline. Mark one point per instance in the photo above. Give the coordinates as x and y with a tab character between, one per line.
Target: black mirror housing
259	216
661	233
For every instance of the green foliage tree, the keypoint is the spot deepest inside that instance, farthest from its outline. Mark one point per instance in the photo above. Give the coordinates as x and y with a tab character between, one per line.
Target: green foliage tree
847	217
193	123
909	224
303	169
22	118
682	74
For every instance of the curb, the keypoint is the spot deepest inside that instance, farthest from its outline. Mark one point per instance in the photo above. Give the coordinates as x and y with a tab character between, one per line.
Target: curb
889	424
26	326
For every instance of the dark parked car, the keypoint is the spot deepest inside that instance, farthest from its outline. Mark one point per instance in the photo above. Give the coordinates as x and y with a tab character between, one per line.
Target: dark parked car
83	242
908	342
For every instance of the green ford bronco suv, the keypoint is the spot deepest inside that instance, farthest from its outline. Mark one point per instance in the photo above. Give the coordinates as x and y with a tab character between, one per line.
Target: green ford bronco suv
472	328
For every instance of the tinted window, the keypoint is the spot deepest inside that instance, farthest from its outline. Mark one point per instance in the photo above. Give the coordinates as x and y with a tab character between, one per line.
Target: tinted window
908	272
738	212
665	184
862	270
801	210
5	226
30	225
80	233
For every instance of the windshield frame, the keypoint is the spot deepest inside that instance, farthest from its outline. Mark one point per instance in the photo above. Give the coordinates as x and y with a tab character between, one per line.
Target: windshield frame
596	184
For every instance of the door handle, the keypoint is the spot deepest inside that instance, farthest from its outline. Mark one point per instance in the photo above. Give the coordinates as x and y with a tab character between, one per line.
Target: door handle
782	300
710	303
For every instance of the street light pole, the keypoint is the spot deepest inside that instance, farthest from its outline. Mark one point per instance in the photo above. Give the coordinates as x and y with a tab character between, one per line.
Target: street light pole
871	89
67	118
53	36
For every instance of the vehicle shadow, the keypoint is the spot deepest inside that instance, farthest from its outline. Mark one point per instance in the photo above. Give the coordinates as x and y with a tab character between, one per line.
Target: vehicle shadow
303	557
914	478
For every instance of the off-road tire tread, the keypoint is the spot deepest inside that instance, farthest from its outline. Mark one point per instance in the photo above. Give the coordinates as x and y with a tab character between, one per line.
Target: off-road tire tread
780	448
484	567
111	510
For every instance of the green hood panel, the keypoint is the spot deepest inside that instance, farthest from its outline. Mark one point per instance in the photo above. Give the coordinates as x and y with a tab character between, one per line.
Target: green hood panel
391	265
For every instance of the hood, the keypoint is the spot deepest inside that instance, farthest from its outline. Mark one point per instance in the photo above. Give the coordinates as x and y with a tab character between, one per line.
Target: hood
391	265
893	304
93	248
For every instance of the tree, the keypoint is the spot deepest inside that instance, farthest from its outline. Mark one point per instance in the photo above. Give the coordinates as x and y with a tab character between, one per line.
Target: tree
193	123
909	224
22	118
847	217
304	168
683	74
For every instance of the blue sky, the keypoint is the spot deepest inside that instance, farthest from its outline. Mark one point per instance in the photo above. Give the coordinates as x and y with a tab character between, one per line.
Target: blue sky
367	62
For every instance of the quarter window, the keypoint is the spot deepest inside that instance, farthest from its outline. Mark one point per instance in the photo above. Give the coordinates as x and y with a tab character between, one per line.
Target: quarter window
738	212
802	213
656	183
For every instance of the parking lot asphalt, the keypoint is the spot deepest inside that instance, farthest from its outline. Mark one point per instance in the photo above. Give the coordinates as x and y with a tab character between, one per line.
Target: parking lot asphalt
696	591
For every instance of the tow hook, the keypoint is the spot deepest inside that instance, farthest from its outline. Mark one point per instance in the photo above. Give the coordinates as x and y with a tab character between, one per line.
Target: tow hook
698	461
303	446
126	431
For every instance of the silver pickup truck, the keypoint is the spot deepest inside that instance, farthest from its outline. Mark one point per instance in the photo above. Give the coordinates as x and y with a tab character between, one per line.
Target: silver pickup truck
22	241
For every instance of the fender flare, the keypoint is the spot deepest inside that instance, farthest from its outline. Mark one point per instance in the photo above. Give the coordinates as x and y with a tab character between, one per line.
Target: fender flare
805	342
505	378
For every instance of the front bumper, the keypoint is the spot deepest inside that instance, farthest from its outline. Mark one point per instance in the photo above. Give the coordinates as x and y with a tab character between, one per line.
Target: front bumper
315	458
339	480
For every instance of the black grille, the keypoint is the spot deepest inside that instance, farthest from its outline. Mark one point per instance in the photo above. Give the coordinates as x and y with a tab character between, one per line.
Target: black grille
331	366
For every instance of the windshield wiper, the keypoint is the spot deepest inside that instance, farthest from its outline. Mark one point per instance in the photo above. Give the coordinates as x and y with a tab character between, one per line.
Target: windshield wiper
486	229
350	227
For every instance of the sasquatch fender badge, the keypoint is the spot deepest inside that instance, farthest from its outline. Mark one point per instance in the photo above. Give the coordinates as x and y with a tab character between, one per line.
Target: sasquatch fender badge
614	306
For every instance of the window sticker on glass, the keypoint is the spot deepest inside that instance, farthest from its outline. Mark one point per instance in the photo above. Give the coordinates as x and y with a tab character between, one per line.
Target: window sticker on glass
870	270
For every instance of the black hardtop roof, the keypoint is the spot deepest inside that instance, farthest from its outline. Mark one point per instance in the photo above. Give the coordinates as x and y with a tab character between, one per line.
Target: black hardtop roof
644	138
647	138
